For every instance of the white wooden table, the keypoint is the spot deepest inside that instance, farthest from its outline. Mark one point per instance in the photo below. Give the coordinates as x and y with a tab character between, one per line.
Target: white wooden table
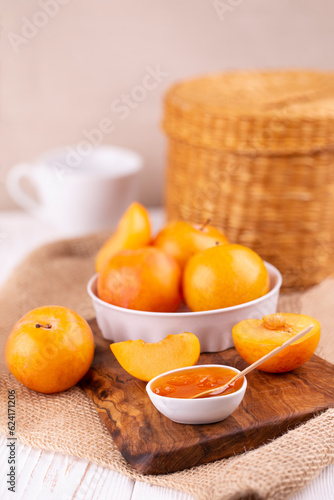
50	475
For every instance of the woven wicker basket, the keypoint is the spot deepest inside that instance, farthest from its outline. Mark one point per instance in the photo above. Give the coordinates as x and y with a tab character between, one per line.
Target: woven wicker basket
254	152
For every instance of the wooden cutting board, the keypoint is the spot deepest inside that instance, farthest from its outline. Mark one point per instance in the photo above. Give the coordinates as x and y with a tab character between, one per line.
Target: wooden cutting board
153	444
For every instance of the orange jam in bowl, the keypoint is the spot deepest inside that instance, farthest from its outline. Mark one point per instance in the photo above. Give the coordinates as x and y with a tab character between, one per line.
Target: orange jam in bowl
189	382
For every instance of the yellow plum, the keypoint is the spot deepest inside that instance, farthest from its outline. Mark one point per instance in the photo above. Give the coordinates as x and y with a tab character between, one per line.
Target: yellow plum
133	231
182	240
146	279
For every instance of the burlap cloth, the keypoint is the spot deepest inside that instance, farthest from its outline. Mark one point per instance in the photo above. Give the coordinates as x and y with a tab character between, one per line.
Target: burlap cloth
57	274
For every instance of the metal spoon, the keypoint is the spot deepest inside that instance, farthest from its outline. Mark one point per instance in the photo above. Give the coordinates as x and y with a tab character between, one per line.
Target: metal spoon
219	390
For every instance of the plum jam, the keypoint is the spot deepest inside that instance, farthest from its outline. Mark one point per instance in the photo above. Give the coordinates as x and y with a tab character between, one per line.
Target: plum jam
188	383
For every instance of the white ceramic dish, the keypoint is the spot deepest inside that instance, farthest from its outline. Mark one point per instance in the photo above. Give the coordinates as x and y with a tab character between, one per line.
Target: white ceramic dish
213	328
80	190
197	411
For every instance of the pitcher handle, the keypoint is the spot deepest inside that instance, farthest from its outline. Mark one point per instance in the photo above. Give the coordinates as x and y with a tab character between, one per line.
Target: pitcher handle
13	183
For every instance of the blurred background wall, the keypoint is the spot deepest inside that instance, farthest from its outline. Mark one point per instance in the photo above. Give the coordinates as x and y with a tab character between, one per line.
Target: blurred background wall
66	65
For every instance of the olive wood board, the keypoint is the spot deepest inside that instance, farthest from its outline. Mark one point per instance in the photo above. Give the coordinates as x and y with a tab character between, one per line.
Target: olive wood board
153	444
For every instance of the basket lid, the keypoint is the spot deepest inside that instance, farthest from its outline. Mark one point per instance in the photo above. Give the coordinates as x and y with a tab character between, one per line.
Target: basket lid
282	112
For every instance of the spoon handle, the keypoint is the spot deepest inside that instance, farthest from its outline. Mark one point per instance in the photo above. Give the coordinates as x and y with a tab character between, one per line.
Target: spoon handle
219	390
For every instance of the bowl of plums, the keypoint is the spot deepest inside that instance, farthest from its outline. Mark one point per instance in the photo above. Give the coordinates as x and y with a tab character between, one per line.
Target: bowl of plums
187	277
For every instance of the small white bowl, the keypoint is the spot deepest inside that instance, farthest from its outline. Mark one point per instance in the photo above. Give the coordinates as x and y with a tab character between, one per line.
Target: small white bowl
213	328
197	411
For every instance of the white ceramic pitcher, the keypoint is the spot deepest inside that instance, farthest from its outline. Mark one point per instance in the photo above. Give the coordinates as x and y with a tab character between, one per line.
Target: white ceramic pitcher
76	191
